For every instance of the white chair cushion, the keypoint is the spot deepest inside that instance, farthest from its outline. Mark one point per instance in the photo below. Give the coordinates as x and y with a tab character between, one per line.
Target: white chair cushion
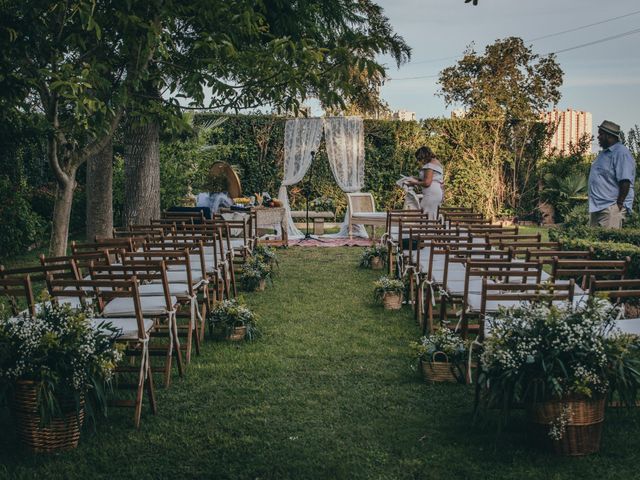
456	287
157	290
180	276
128	327
123	307
629	325
379	218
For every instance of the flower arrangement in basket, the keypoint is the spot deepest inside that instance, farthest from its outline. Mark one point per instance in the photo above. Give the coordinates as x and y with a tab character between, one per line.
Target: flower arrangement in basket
561	362
374	257
254	273
389	291
266	254
237	321
442	356
55	367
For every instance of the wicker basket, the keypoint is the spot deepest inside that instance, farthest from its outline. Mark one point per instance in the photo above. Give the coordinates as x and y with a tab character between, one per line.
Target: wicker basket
392	301
237	334
438	370
62	433
376	263
583	429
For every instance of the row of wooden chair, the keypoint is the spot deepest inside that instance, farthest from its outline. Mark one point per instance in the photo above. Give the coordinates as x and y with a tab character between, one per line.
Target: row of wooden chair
154	283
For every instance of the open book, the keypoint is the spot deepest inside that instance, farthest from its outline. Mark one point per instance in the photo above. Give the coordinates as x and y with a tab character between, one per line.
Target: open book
403	180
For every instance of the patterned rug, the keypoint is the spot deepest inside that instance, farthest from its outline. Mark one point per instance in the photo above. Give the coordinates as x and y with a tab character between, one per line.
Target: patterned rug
321	241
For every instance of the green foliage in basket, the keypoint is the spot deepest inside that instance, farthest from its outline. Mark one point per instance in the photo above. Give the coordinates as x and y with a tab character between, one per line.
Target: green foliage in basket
430	348
374	251
536	353
229	314
266	254
387	285
252	271
68	353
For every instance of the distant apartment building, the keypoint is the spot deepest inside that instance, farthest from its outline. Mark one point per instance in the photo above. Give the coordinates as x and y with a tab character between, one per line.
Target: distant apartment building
404	115
572	125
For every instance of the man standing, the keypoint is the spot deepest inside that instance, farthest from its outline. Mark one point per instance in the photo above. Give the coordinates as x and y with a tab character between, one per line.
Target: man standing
611	179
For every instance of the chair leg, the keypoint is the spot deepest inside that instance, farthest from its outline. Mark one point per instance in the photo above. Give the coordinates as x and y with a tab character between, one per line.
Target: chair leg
151	393
176	346
140	390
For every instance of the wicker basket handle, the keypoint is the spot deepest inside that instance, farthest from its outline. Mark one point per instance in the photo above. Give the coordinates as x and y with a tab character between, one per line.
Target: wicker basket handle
435	355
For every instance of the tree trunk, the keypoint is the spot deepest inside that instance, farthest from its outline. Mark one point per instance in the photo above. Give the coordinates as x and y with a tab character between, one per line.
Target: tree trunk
61	216
100	194
142	173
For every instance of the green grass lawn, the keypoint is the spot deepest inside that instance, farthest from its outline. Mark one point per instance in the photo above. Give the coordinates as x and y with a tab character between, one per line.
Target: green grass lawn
329	391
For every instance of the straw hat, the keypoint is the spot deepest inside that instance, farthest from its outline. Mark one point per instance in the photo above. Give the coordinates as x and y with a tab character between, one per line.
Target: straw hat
610	128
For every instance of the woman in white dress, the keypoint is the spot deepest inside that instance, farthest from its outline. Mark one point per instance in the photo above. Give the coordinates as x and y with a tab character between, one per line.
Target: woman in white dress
431	179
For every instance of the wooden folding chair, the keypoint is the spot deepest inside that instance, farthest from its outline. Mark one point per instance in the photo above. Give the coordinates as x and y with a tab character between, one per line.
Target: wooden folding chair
159	304
133	332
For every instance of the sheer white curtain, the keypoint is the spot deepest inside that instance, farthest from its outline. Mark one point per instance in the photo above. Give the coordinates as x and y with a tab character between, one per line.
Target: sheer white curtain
301	137
344	137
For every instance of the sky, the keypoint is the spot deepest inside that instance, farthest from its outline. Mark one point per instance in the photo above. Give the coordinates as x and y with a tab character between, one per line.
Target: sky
603	78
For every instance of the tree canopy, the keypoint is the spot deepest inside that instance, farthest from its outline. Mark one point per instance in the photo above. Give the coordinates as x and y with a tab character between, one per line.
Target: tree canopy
82	63
507	81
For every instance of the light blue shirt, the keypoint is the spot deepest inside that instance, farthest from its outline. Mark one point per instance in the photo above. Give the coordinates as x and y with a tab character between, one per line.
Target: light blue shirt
612	165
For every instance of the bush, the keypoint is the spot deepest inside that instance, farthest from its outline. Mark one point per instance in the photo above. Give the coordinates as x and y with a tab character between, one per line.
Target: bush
608	251
21	226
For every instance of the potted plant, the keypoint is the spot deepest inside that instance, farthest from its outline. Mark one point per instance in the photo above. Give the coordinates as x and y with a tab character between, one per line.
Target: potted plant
52	366
389	291
266	254
254	274
442	356
374	257
560	362
236	320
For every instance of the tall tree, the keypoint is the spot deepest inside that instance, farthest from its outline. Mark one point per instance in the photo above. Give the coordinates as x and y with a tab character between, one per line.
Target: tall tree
77	63
248	55
507	87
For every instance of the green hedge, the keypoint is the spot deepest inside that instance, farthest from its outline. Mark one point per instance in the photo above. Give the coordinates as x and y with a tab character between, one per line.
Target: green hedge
604	250
624	235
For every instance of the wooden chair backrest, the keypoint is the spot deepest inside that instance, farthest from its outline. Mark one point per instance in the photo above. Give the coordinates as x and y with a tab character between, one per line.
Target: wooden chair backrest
523	292
104	290
360	202
18	288
588	269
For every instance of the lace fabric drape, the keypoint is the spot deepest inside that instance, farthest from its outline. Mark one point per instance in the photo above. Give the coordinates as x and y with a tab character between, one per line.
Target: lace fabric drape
344	137
301	137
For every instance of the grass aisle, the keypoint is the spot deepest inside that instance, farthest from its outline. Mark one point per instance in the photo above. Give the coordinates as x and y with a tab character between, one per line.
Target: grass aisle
328	392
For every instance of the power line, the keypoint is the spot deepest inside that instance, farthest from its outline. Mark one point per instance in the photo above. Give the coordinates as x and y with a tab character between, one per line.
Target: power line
550	35
575	47
602	40
583	26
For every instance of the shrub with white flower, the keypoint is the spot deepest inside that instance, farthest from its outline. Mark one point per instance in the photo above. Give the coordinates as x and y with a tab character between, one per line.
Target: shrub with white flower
266	254
374	251
387	285
443	341
536	353
253	271
66	352
233	313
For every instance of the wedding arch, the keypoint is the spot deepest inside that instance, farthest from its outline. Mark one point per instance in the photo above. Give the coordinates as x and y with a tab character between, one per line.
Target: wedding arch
344	139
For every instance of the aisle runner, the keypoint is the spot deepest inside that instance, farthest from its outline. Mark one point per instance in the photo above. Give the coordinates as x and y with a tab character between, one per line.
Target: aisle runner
331	242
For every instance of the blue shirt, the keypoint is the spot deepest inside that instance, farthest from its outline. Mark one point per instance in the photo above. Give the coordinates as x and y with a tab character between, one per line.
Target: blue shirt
612	165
